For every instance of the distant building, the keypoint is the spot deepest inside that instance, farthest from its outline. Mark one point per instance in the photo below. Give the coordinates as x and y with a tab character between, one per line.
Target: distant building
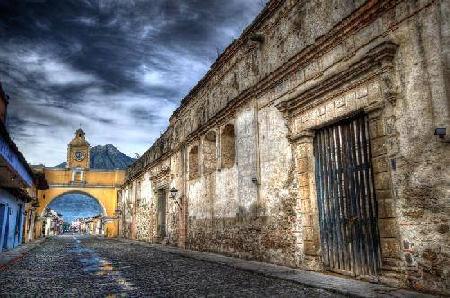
94	225
52	223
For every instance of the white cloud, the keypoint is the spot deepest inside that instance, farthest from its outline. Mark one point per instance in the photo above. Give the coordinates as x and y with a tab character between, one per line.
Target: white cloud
90	22
150	77
148	30
40	62
55	71
172	67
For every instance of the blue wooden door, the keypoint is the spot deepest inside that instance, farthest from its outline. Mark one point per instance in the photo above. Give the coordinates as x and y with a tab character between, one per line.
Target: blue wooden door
2	224
6	233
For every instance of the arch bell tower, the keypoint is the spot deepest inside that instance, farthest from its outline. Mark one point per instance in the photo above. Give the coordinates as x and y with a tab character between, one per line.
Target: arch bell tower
78	155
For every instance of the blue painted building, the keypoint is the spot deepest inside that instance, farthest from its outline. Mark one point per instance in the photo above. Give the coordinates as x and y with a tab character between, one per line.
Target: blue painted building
16	177
11	220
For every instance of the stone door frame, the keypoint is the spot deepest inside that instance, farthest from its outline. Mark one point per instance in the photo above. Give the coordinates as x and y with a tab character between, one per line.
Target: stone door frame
161	193
362	86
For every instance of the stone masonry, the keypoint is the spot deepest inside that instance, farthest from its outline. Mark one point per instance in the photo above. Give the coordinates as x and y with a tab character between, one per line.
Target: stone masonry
240	148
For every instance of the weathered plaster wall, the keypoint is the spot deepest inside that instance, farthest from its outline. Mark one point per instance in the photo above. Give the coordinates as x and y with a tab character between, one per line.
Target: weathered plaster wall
420	182
140	205
319	62
240	211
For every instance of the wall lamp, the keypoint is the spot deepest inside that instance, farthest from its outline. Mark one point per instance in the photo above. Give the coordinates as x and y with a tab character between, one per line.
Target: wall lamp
173	195
441	132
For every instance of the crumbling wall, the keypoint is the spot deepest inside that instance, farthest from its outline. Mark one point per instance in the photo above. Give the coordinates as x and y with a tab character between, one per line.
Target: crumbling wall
422	166
300	66
248	210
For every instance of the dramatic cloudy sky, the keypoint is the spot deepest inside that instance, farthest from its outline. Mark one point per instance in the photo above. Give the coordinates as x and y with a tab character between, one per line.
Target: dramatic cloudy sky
117	67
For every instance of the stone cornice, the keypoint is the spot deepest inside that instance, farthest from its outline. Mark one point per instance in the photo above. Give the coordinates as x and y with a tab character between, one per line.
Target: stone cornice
83	186
305	136
55	169
375	59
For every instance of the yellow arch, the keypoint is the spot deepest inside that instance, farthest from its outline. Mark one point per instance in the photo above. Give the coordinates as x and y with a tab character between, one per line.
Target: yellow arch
102	185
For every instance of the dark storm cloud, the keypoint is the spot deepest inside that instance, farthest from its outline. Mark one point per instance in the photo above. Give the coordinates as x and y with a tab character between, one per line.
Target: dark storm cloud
118	68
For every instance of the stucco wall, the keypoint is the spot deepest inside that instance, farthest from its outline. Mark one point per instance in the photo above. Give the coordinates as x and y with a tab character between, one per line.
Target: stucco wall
319	62
420	180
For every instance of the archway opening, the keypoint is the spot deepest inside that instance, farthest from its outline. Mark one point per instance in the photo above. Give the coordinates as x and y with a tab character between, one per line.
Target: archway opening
76	207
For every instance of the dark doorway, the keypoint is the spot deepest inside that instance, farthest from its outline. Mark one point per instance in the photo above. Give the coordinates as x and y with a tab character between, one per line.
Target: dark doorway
6	233
2	223
346	198
161	227
18	228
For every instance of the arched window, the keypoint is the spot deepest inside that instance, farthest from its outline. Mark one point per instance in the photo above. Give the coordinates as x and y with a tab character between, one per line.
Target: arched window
228	150
193	163
209	152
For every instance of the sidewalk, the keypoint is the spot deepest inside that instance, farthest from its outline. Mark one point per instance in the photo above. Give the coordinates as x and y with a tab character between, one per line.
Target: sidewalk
335	284
9	257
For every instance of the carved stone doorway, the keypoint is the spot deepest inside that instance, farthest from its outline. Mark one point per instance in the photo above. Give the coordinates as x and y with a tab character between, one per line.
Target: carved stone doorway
161	216
346	198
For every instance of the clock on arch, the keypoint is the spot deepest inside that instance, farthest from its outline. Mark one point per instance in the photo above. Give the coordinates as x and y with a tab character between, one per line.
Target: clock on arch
79	155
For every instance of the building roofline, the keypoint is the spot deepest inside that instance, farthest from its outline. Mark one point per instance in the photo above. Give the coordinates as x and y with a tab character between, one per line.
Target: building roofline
86	169
4	132
227	54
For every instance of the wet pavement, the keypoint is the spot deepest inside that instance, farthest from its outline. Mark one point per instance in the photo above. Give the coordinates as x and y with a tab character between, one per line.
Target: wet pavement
71	265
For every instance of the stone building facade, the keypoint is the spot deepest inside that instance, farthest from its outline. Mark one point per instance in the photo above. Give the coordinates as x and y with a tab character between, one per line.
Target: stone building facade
311	143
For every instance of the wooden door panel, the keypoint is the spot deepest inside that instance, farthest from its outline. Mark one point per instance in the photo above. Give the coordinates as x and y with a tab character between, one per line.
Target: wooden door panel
346	198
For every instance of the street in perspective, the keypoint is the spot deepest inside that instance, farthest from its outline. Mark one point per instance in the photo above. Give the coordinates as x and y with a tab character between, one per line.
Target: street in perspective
86	266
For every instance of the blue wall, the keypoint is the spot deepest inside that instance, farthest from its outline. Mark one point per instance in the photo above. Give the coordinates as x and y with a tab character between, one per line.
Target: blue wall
12	226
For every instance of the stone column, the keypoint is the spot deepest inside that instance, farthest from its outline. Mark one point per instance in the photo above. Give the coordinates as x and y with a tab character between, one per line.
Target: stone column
384	150
183	211
309	214
133	212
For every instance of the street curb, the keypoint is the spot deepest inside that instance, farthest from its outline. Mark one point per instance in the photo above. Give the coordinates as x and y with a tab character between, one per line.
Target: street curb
11	257
312	279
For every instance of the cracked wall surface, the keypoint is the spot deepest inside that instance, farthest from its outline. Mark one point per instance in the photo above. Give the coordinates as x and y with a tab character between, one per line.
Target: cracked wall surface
239	149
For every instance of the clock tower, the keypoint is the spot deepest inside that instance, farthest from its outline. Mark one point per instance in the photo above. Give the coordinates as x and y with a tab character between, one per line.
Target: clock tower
78	151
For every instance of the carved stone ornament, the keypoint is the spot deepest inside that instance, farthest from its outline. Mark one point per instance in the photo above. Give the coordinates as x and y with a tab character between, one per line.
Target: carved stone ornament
378	59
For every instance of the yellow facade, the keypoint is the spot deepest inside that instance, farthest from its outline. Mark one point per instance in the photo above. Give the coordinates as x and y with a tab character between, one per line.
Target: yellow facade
101	185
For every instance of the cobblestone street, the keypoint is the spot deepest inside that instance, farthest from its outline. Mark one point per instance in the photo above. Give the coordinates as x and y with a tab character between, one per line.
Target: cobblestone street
82	266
